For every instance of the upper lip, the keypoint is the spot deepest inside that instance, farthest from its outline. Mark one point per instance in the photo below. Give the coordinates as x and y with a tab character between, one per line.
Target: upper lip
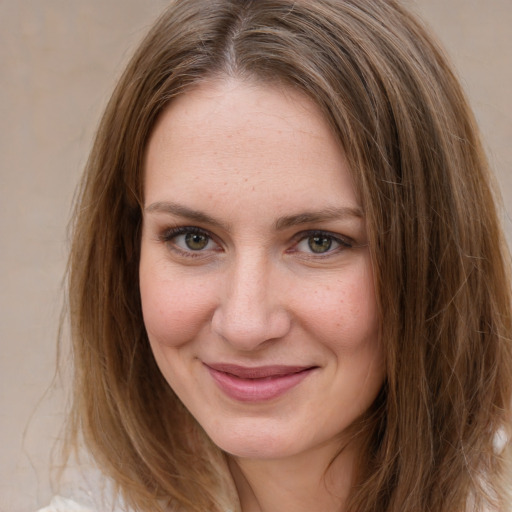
257	372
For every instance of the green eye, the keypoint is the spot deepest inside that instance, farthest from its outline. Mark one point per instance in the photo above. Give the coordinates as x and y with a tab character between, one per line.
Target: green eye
196	241
319	244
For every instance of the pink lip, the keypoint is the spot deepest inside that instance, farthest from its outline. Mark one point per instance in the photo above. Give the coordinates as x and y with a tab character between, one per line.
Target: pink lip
257	384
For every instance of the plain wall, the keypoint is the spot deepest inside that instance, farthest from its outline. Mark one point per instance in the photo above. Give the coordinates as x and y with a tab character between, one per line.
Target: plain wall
59	60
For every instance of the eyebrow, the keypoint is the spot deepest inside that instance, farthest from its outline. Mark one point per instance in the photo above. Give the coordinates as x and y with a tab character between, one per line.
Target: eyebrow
185	212
323	215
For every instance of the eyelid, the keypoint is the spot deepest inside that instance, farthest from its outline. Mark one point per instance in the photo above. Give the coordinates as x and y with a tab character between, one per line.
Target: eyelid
343	241
167	236
169	233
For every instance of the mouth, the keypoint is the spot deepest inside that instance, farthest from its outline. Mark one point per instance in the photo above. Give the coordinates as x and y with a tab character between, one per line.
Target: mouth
257	384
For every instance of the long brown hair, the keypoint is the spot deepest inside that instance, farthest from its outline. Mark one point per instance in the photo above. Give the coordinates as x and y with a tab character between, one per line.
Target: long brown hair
437	436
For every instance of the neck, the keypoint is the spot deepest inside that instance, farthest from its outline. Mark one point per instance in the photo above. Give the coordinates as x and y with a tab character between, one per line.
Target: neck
305	482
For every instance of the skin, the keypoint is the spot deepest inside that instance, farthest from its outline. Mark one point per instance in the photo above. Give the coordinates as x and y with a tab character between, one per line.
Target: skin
239	180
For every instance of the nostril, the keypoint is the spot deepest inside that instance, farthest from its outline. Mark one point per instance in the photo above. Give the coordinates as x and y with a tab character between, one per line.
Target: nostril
250	329
251	311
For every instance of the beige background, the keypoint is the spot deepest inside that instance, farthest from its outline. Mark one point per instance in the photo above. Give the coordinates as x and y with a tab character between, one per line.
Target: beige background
58	62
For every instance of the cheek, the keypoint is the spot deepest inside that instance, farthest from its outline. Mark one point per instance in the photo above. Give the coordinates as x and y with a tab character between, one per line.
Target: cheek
343	311
174	310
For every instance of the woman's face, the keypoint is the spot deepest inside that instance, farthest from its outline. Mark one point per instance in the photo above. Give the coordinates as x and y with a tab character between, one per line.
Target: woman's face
255	277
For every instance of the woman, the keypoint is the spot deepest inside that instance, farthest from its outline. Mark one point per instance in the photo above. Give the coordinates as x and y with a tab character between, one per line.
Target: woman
288	286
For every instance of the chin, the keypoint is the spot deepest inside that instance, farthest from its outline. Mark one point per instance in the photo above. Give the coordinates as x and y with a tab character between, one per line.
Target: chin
255	440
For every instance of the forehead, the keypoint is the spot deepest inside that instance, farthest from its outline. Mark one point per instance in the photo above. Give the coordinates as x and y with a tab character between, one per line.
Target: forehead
228	139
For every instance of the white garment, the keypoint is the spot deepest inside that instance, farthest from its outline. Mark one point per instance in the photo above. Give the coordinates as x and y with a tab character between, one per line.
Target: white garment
60	504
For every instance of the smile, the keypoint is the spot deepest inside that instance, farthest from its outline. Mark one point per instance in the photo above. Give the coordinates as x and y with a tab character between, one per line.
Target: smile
246	384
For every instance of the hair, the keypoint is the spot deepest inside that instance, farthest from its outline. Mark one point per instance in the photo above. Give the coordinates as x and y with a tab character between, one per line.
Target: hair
438	434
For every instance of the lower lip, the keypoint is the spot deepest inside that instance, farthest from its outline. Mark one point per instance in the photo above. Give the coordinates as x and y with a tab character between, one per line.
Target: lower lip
257	390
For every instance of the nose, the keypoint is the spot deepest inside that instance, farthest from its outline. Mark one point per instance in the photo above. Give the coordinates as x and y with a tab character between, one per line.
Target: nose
251	309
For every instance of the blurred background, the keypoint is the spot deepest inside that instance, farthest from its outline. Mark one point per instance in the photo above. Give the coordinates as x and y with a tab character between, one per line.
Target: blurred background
59	60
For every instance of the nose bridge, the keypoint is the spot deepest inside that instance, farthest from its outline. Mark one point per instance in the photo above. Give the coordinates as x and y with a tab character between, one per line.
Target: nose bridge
250	311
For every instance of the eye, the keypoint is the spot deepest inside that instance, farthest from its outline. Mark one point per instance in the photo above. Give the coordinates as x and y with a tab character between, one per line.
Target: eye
321	243
194	241
188	240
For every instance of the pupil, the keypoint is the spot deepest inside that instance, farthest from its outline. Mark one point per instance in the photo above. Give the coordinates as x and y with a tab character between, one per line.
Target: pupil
319	244
196	241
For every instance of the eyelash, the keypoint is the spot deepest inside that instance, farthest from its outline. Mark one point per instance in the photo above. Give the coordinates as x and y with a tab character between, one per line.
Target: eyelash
342	243
169	235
